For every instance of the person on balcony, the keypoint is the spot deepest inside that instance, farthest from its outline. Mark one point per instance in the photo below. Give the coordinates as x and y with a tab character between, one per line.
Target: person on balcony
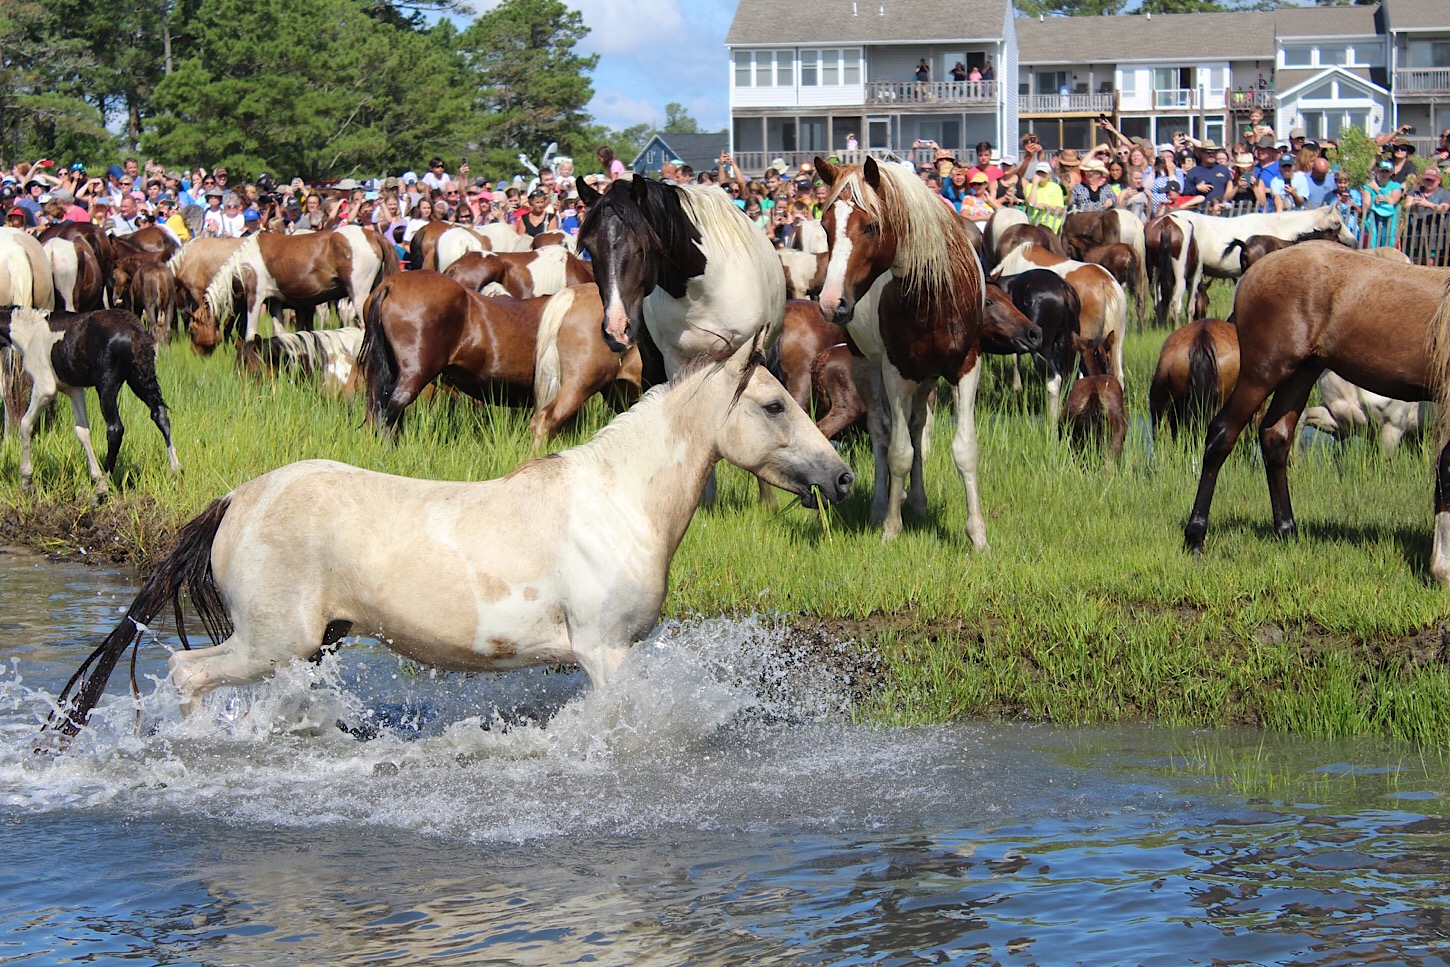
959	72
987	73
974	75
923	71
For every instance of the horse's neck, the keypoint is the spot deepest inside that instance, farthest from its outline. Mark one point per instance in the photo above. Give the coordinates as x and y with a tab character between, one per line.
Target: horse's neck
655	460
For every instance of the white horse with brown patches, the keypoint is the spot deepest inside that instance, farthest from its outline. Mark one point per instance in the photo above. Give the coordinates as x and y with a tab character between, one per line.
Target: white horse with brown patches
566	559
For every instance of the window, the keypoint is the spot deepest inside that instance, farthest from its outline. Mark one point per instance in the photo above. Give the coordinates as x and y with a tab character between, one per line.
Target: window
742	68
1334	54
764	68
1052	82
1128	82
1298	56
785	68
1428	53
830	67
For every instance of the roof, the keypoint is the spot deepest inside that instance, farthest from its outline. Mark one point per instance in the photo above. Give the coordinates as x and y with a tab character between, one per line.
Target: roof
1418	15
699	151
1188	37
865	21
1287	83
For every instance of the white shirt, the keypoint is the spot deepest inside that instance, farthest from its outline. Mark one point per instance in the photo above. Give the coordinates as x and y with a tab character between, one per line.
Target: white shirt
436	181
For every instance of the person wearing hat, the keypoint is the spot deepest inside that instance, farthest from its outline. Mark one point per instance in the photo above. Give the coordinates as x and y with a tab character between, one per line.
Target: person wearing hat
1165	169
1068	163
1208	179
1400	150
1175	199
1425	207
15	218
211	219
1380	201
1046	201
1093	193
1266	180
978	204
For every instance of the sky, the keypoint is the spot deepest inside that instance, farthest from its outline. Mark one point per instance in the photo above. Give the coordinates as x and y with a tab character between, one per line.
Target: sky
652	52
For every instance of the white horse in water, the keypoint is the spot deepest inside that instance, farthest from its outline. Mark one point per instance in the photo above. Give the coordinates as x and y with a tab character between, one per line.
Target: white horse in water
566	559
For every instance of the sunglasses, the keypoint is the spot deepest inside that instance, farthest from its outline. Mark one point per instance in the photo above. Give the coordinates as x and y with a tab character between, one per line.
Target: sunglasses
208	184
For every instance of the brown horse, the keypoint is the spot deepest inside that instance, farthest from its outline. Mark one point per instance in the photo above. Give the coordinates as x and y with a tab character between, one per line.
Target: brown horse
194	268
1197	369
893	243
1016	236
1103	306
815	363
91	235
1125	266
1256	247
153	298
571	362
150	241
1317	306
423	246
1095	413
523	275
299	272
420	326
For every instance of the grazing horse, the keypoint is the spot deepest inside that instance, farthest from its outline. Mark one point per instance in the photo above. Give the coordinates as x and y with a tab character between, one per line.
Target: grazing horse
1084	231
330	354
1174	271
1197	369
70	351
194	267
685	263
1256	247
1320	306
1103	305
1053	306
897	248
566	559
1095	412
1348	408
300	272
523	275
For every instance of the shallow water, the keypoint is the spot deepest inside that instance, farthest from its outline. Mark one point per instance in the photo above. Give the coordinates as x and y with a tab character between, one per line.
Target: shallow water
716	805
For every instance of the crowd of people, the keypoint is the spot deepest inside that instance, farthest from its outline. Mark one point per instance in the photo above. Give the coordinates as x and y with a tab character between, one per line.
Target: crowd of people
1259	173
197	202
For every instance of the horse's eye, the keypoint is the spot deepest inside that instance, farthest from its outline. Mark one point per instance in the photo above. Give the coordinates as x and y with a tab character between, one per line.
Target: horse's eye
775	408
988	304
871	228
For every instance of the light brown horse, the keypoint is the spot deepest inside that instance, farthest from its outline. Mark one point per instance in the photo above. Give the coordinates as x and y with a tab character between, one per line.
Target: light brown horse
1317	306
571	362
421	326
79	285
1125	265
1197	369
523	275
300	272
1095	414
194	268
153	298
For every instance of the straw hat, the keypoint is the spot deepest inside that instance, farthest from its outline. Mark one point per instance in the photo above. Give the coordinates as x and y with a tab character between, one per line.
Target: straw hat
1244	160
1093	164
980	178
1069	158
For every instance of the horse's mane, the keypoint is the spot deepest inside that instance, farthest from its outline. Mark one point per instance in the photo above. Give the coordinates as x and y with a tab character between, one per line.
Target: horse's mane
175	262
932	248
219	290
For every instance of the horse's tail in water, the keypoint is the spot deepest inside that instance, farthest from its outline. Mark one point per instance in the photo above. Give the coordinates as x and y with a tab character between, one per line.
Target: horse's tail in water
1203	387
187	567
375	359
547	370
1437	351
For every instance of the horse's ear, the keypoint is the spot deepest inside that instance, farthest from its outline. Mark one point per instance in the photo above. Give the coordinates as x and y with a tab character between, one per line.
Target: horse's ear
639	189
825	170
872	173
587	192
1109	341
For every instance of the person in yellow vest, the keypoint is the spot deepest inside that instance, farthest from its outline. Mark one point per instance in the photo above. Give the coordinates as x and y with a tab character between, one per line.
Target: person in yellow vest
169	217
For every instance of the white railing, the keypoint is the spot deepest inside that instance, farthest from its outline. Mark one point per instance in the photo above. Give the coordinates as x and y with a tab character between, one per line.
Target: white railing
931	92
1102	103
754	163
1422	81
1173	98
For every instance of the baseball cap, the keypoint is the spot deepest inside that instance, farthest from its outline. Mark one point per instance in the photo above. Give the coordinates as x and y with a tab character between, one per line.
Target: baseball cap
250	215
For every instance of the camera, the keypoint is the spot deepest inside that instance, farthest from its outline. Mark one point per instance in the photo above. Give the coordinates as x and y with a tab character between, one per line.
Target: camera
1409	129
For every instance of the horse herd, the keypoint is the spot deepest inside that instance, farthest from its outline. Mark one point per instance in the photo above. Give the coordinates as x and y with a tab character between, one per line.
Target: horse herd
681	293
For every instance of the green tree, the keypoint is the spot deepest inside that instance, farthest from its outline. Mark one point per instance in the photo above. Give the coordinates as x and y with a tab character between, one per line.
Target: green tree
1068	8
678	120
1355	154
45	74
268	89
530	86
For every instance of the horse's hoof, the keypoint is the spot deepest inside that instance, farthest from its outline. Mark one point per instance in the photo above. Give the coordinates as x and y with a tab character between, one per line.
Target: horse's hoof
26	486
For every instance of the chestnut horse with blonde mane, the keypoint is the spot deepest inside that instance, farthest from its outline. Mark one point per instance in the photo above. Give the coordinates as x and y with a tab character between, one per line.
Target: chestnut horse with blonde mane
1318	306
893	241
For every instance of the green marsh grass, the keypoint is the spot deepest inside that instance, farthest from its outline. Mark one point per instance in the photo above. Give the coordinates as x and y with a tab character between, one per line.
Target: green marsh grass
1085	610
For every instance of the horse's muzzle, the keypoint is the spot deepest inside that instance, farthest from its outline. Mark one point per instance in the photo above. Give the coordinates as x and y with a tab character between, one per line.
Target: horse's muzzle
835	492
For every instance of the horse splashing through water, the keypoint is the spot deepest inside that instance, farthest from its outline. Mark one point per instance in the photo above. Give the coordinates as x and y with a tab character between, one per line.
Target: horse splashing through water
895	247
1317	306
564	560
107	348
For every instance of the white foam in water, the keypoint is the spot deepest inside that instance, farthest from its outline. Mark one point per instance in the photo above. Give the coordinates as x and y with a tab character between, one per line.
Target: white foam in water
305	748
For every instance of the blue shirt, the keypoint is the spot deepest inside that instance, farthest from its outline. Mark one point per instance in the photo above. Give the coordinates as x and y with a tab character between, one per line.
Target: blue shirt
1273	179
1216	175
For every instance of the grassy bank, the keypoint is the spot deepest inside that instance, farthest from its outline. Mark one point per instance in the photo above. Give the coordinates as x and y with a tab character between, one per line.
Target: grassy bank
1085	610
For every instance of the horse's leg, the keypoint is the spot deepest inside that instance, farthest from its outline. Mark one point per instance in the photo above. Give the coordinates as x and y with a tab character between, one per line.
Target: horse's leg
306	318
1223	433
1017	373
83	433
899	393
267	634
1440	551
921	413
1276	436
867	376
41	394
109	392
964	451
411	381
159	416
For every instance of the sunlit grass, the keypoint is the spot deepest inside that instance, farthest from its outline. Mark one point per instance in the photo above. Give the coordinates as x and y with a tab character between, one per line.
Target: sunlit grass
1086	609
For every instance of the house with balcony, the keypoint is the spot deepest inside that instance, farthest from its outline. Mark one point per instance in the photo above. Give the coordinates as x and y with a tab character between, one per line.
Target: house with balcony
809	77
1419	59
1331	70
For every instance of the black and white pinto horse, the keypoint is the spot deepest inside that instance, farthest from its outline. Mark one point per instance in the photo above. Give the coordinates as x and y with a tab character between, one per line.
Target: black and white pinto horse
64	351
684	265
